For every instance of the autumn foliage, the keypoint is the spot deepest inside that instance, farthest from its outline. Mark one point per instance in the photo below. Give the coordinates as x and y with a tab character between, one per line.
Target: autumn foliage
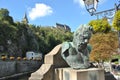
103	46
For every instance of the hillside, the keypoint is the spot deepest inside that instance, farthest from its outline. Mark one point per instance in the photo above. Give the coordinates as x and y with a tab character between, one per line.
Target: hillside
16	38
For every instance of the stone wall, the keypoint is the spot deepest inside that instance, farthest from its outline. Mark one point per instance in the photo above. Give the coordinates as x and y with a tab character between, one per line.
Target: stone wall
8	67
26	66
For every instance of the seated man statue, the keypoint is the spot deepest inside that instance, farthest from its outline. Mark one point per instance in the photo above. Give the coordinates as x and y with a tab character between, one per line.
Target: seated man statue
76	53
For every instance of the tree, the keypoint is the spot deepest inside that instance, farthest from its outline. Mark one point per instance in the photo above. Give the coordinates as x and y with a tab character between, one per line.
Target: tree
49	37
103	46
116	21
4	16
7	32
116	24
100	25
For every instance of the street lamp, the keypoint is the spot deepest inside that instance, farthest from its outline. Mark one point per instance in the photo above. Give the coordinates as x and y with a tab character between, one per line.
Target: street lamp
91	6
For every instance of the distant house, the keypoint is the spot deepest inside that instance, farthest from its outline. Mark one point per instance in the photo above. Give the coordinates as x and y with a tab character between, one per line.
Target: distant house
63	26
33	55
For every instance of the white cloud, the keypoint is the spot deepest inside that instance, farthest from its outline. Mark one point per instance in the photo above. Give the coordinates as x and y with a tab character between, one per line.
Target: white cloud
40	10
80	2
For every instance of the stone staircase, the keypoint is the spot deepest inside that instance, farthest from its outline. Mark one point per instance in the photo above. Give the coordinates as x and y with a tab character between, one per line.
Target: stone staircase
47	70
42	72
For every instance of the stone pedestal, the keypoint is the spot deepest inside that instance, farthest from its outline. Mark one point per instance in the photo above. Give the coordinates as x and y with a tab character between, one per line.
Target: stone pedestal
81	74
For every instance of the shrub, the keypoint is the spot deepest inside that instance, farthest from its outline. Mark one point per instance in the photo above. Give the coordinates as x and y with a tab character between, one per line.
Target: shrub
12	58
30	59
18	58
116	62
24	58
3	57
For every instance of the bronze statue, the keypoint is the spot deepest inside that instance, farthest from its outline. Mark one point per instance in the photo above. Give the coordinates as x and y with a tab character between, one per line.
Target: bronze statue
76	53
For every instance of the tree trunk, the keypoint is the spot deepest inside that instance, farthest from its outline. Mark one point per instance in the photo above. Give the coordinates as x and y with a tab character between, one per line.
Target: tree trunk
110	66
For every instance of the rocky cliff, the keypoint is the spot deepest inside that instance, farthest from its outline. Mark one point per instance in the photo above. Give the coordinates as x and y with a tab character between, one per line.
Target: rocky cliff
23	41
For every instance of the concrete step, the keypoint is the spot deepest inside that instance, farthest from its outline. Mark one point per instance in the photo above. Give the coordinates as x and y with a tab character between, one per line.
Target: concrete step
39	74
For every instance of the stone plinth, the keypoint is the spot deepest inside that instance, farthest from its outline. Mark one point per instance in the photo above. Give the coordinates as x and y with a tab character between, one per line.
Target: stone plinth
81	74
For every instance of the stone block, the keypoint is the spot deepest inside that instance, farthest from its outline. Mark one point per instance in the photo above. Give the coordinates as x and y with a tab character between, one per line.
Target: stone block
54	58
81	74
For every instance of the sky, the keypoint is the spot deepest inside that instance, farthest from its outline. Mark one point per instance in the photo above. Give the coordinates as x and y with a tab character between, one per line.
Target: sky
49	12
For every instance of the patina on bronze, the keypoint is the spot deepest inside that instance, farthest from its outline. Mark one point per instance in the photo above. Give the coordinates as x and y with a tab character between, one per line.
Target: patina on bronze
76	53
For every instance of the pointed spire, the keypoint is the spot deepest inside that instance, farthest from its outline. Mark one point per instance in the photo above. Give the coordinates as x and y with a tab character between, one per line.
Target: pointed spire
25	19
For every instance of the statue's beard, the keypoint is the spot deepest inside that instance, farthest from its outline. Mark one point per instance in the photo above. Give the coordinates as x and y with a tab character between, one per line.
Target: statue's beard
81	47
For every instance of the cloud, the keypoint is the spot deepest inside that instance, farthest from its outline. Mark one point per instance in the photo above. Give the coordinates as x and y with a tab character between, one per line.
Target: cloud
80	2
40	10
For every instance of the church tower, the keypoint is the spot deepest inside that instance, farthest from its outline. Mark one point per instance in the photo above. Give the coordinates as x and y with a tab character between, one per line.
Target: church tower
25	19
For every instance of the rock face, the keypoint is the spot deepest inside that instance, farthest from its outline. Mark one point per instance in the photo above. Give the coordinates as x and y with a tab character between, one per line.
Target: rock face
24	41
27	41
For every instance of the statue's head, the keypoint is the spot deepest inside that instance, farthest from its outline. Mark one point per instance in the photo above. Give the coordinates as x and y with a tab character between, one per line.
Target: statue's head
81	37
